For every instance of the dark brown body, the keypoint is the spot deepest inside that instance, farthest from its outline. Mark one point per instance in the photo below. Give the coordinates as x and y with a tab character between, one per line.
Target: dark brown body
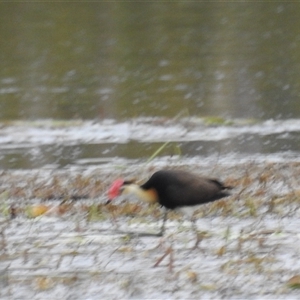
176	188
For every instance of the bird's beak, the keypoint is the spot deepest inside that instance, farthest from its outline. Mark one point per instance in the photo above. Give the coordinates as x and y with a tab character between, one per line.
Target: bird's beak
108	201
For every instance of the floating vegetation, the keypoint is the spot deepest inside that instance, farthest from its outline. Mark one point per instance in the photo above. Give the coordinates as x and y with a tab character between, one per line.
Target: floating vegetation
294	282
216	121
58	234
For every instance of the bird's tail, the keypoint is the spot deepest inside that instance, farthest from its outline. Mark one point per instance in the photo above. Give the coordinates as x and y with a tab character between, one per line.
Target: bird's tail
221	185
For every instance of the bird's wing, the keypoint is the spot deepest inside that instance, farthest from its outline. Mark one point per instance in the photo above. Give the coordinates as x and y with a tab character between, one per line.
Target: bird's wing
200	190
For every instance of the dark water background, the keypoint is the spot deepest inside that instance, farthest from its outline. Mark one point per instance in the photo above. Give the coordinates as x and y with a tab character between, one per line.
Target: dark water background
120	61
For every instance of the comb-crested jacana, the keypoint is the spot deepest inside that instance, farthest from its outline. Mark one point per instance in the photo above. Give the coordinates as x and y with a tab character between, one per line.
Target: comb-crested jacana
175	190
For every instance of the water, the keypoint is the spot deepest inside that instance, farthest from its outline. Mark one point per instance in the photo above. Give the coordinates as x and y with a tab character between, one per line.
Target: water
121	61
94	90
84	249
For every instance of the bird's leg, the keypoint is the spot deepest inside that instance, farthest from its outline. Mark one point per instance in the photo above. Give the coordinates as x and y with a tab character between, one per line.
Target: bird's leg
199	236
162	229
169	250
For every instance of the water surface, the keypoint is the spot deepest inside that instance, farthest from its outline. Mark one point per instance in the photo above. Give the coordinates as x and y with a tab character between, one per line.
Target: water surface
98	61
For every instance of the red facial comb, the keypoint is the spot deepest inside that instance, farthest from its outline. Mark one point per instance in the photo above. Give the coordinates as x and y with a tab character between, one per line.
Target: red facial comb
114	189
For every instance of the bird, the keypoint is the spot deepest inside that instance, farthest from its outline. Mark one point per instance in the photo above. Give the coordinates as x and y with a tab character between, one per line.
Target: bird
173	189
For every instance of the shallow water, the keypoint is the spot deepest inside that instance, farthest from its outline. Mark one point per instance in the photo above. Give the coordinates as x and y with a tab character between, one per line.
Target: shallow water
91	91
123	60
249	249
129	61
84	143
